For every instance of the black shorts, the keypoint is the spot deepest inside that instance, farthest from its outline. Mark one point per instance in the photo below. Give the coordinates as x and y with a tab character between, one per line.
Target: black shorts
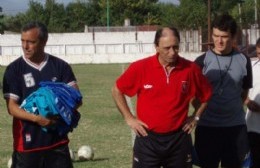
254	141
226	145
163	150
58	157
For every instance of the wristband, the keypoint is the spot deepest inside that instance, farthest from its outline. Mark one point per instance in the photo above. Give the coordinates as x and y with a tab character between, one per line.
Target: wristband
196	118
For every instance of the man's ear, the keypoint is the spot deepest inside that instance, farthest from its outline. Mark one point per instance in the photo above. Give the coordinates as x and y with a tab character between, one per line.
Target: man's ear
156	48
44	43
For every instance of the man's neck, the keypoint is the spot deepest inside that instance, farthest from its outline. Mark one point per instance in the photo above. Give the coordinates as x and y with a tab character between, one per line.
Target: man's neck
225	52
37	60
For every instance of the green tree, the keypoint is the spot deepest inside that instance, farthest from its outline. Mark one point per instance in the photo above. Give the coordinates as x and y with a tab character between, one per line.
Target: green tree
168	14
55	16
14	23
138	11
247	16
35	12
93	14
2	26
52	14
78	15
221	6
192	14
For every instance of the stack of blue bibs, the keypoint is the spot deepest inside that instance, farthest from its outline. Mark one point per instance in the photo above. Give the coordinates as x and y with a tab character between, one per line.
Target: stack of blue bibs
55	100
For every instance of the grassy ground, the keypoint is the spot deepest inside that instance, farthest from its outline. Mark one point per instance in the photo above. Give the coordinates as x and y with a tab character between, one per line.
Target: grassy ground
101	126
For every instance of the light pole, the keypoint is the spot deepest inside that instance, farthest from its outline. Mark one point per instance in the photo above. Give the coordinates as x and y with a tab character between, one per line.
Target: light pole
239	11
108	15
209	24
256	24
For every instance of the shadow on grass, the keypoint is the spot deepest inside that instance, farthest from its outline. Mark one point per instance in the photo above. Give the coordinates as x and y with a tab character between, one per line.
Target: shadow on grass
93	160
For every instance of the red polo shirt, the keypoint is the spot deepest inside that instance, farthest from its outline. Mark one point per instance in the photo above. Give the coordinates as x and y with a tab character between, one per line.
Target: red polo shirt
163	100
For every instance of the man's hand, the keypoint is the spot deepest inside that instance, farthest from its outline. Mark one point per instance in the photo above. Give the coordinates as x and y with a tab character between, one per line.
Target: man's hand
137	126
44	122
253	106
189	124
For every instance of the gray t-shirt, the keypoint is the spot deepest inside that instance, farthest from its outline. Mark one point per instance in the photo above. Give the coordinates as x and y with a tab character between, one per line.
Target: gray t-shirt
229	75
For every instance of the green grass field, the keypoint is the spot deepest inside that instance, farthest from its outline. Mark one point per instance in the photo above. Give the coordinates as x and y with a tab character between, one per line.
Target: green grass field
101	125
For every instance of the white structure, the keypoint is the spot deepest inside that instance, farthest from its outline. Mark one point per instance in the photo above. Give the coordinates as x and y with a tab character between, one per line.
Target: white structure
96	47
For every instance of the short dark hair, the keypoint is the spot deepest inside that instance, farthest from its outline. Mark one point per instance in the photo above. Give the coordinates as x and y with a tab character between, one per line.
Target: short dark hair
158	34
225	22
43	36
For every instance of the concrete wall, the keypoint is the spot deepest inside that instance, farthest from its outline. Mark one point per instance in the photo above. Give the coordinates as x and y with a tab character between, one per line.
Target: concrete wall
85	38
98	47
101	58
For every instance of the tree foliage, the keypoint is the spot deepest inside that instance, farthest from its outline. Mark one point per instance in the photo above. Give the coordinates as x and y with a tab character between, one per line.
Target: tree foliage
168	15
73	17
2	26
138	11
192	14
56	16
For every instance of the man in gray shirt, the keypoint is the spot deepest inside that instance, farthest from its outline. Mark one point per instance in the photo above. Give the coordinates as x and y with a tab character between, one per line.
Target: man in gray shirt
221	134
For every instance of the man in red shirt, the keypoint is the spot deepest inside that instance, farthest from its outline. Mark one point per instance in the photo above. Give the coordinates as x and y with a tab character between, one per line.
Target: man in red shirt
164	83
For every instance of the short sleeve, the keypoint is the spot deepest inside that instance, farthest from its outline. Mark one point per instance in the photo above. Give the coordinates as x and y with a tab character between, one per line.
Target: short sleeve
203	86
248	80
11	87
129	82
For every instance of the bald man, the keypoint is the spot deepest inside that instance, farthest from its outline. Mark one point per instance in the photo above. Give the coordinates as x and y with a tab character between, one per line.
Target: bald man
164	83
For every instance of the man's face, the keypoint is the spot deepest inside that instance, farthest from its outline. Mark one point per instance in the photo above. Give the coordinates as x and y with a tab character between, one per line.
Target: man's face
168	48
31	44
258	52
223	41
